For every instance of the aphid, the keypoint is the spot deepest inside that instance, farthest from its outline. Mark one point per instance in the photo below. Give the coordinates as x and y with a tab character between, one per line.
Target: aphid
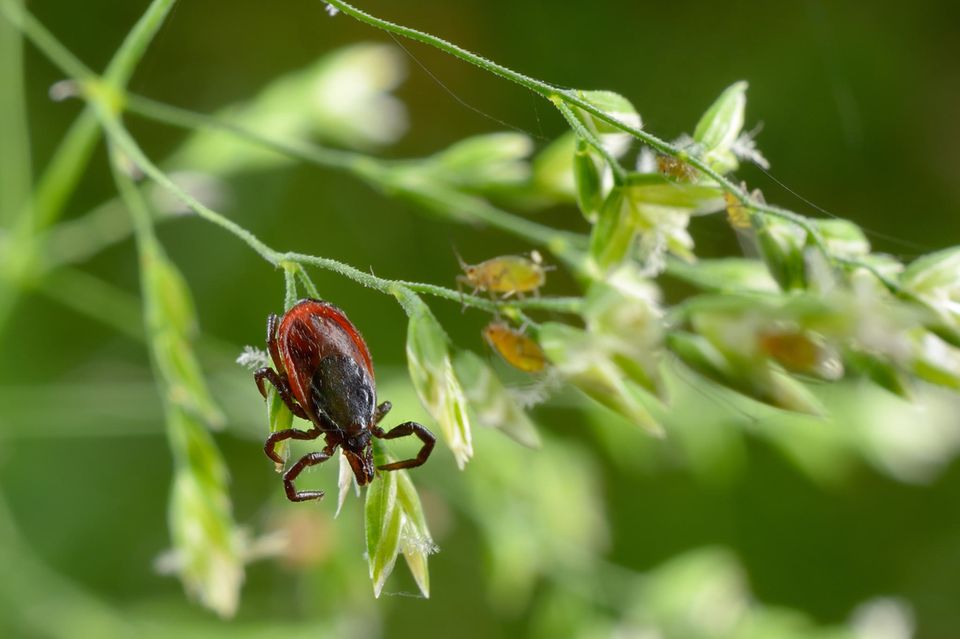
676	168
324	374
505	275
794	349
516	348
737	214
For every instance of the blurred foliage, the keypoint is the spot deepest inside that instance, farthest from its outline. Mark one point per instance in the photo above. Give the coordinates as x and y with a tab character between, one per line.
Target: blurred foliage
833	518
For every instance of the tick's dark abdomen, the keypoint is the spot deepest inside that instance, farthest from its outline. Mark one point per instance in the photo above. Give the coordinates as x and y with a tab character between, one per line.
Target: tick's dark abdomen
342	390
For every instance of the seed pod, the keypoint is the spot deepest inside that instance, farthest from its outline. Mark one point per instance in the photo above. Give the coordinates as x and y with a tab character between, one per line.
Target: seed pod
586	173
516	348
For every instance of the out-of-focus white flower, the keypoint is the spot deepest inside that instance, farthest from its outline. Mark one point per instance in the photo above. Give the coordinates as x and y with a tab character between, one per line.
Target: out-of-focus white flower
349	95
342	98
883	618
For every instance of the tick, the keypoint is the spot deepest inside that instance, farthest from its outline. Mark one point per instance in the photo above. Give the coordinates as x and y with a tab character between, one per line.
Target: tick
324	374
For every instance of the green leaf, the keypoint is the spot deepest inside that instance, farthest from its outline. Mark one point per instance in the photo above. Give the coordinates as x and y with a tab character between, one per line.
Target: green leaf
843	238
936	361
482	162
933	272
781	246
720	126
553	169
625	311
615	141
183	377
656	189
703	357
173	305
880	371
383	523
435	381
614	233
757	379
586	173
725	274
415	540
491	403
585	364
205	541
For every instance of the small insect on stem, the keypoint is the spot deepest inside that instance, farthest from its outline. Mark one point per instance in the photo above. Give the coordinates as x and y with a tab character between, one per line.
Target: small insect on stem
676	169
506	275
515	347
737	214
324	374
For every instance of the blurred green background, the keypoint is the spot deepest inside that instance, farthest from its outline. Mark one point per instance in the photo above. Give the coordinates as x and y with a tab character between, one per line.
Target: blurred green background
602	531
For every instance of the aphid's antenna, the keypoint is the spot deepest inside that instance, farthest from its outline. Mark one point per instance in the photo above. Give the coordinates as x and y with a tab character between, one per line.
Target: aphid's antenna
877	234
463	265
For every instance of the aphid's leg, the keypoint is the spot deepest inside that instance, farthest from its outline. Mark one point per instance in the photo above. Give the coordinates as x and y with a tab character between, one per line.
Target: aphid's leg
270	375
310	459
381	412
408	428
461	280
273	323
270	446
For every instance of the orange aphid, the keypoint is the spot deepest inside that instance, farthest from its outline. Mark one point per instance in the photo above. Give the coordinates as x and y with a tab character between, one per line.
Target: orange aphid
516	348
505	275
795	350
737	214
676	168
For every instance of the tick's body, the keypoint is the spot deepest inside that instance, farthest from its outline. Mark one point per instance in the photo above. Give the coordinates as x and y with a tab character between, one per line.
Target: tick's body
325	375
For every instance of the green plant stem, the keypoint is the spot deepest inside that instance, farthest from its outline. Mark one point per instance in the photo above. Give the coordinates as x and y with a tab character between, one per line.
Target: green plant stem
69	160
557	95
382	174
119	136
125	143
619	174
15	153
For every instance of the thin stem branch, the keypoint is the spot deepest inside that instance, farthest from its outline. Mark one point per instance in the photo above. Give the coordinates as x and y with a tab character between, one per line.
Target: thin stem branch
124	142
68	162
619	174
556	94
386	175
537	86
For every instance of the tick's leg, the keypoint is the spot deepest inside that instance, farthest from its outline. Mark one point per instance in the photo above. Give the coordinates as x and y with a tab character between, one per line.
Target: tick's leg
273	322
381	412
270	375
408	428
270	446
311	459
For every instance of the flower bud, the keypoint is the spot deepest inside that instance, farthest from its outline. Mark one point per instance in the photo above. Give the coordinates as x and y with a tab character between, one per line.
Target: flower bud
583	361
720	127
435	381
490	402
